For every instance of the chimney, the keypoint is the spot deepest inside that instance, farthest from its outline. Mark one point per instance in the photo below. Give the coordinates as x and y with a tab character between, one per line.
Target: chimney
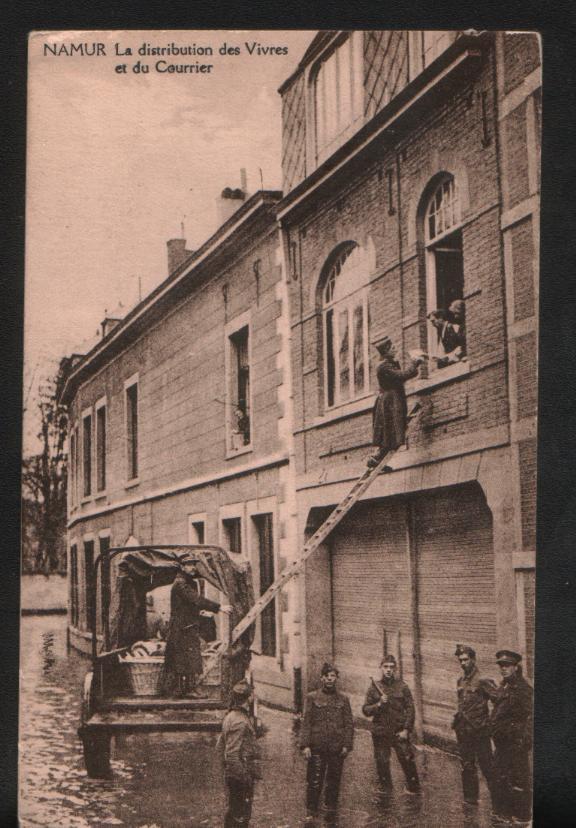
177	253
231	199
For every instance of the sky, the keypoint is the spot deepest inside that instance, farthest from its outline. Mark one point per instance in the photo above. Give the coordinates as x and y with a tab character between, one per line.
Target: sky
118	159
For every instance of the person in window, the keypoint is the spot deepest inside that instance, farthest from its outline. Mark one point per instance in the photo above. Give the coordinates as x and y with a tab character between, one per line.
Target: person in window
390	409
457	318
451	333
183	660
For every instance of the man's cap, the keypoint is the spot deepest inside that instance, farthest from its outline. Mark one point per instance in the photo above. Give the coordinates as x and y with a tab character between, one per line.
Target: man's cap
328	668
508	657
462	649
389	659
241	692
383	345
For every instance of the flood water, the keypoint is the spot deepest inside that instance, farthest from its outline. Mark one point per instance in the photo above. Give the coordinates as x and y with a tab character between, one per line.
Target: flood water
167	781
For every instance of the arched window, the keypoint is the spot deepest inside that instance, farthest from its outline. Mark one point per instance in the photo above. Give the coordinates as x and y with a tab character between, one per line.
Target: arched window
338	91
345	325
444	273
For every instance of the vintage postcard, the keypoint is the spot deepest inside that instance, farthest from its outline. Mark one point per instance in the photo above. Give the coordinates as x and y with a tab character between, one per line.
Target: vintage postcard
279	466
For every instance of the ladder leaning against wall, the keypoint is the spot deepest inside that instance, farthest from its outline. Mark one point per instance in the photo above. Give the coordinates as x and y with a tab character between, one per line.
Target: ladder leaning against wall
319	536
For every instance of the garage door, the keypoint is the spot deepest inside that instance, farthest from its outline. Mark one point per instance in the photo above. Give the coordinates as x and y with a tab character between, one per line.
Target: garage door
456	602
370	591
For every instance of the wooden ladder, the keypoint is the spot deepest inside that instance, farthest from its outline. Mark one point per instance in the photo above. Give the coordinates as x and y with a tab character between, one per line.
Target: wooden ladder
320	535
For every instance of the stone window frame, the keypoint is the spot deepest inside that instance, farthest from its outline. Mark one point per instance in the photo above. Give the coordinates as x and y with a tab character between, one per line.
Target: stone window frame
99	405
86	496
430	246
356	298
132	480
320	154
232	328
255	509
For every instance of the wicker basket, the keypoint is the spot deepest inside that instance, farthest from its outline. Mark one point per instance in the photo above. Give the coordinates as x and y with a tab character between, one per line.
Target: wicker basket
145	675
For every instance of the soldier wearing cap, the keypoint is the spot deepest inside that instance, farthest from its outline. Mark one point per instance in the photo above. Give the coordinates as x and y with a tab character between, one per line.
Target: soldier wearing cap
390	705
471	724
326	738
240	756
511	729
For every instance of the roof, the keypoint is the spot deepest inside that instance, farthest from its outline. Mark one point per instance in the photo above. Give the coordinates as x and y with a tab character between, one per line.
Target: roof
258	206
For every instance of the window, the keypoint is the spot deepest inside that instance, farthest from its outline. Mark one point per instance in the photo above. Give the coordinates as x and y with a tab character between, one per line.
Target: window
74	605
345	324
72	478
240	434
264	528
232	530
425	47
87	454
444	275
105	588
88	582
132	428
197	534
338	94
100	447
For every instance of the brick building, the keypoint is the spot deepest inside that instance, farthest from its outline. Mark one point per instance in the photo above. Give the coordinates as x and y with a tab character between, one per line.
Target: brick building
233	404
179	421
411	179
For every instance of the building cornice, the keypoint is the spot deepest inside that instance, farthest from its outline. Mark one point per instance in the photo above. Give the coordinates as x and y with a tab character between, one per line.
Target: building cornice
271	460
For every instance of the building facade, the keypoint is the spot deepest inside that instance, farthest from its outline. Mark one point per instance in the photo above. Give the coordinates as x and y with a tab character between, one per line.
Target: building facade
180	426
234	404
411	180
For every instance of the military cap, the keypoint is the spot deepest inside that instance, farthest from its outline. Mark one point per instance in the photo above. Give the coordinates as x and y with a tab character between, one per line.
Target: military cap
241	692
463	648
508	657
328	668
389	659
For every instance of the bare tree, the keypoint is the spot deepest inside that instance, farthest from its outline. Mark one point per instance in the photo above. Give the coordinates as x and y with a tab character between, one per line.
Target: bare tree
44	480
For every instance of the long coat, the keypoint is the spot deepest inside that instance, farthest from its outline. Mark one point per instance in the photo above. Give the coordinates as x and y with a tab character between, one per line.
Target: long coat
389	414
183	654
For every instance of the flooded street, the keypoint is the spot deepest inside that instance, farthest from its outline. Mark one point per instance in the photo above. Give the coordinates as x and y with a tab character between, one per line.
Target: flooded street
166	781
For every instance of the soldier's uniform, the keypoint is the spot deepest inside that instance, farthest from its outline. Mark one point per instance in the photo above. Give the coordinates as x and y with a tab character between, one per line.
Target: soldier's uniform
471	725
388	720
511	729
327	727
240	755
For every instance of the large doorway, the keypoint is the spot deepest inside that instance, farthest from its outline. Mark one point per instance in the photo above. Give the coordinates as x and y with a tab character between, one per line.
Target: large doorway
414	576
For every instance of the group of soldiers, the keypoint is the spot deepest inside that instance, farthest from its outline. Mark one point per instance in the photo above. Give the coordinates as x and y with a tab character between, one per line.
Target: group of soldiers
493	727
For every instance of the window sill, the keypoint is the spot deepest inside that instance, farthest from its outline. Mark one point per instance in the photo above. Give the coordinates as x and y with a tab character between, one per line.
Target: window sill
231	453
131	483
439	377
100	495
86	499
344	410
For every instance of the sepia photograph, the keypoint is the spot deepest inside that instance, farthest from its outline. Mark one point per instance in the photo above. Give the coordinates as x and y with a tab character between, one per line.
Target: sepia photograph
278	560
